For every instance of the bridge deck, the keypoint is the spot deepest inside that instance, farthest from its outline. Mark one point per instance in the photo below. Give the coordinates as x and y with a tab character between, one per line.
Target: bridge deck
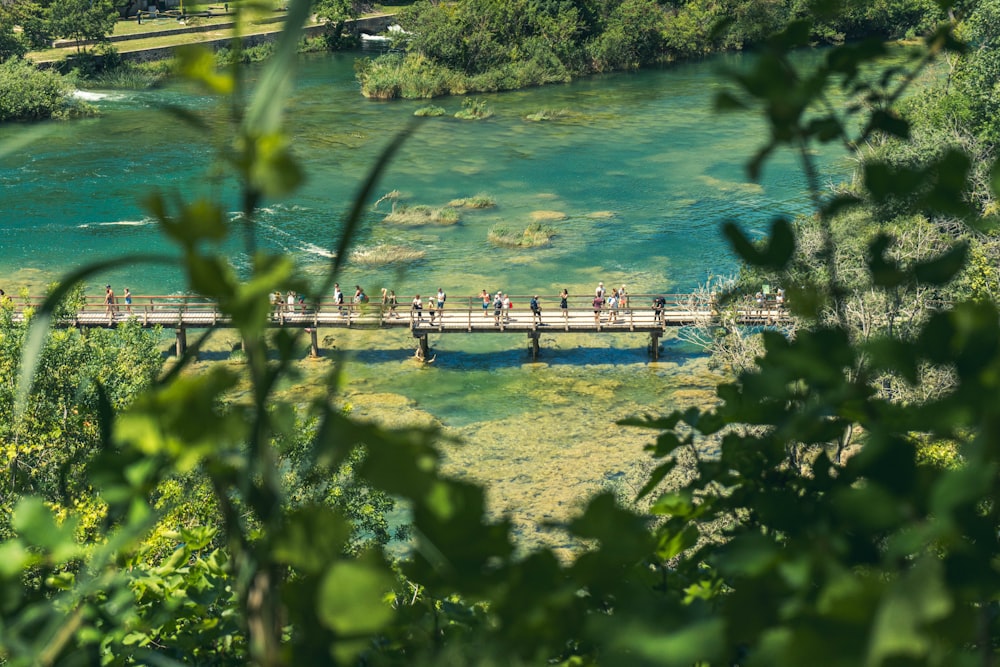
465	316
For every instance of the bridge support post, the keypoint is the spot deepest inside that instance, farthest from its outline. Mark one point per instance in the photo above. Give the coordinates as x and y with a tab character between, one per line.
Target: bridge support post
533	342
181	345
423	348
313	343
654	344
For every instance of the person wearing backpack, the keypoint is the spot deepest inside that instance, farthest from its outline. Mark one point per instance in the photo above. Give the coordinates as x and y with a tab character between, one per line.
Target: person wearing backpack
536	311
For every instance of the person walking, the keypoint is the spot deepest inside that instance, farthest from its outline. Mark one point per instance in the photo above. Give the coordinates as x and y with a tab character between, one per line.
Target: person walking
564	304
338	298
128	301
658	304
497	308
392	304
613	306
430	308
485	296
507	305
441	298
417	307
109	301
536	310
598	307
599	292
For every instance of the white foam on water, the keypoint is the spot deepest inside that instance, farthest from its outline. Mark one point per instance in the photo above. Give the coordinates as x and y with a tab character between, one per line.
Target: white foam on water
89	95
116	223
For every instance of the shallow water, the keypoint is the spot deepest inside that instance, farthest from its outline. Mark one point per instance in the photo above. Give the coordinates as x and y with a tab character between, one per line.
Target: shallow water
640	169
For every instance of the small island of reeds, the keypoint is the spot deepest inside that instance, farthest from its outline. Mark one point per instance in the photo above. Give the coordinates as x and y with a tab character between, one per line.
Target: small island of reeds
429	111
384	253
534	235
476	201
421	214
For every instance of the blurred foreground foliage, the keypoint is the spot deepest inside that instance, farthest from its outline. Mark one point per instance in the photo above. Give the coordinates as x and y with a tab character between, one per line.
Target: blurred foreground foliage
780	551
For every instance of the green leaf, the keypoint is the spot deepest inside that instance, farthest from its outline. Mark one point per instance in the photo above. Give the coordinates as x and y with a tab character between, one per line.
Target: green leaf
941	269
351	597
890	123
774	256
914	601
885	272
310	537
198	64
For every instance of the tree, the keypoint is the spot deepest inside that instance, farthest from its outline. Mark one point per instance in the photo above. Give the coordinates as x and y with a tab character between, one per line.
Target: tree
84	20
334	14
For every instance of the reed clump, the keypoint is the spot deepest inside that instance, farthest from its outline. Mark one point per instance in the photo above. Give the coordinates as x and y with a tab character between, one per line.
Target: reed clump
423	215
429	111
479	200
383	254
474	109
548	114
534	235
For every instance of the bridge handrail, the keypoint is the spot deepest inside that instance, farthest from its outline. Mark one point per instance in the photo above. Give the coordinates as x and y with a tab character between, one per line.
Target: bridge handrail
179	303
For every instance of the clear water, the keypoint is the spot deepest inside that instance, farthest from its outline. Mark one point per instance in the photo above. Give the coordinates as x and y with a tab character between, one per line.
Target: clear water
641	169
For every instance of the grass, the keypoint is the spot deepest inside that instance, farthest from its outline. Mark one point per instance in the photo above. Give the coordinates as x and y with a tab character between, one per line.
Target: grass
383	254
423	215
147	35
476	201
534	235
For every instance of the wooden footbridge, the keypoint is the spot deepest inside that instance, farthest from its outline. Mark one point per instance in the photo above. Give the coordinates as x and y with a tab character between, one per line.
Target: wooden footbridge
462	315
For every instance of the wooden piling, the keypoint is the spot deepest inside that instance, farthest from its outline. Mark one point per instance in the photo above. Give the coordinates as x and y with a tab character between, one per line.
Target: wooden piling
533	337
313	343
181	346
423	348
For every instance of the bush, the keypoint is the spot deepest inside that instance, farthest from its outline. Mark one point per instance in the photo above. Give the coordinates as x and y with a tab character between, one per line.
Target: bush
27	93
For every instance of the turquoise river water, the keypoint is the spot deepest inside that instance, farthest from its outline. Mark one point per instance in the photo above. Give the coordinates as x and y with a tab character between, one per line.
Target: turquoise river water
636	177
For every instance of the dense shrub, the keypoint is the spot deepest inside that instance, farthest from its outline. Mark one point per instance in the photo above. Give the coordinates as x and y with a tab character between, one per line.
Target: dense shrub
27	93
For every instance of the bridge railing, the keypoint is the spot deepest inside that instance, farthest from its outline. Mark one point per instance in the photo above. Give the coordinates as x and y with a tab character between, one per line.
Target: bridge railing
635	309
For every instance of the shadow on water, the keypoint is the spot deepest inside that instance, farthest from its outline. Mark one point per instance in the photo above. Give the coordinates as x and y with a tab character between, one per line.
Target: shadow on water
518	357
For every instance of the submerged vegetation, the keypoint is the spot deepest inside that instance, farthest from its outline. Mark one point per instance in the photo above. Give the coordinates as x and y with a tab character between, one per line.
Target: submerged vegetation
548	114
